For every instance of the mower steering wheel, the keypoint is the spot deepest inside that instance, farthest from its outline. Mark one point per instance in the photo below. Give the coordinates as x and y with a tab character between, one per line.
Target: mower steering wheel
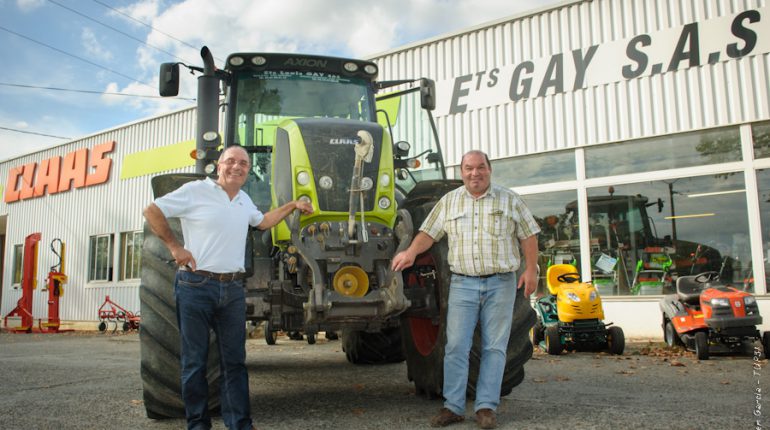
569	278
707	277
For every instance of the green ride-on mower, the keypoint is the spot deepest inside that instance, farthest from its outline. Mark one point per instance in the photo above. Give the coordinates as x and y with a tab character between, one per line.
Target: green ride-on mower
571	317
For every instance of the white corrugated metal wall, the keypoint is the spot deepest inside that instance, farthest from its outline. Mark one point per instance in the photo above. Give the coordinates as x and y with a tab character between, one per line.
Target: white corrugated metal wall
729	92
73	216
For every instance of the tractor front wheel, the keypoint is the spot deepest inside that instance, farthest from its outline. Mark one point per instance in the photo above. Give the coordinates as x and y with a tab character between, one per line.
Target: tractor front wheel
616	340
553	344
702	345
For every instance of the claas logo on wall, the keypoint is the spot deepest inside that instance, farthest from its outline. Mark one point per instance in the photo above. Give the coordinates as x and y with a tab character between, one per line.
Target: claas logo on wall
78	169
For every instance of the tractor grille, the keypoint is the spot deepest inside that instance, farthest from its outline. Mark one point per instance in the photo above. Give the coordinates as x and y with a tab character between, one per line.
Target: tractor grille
330	147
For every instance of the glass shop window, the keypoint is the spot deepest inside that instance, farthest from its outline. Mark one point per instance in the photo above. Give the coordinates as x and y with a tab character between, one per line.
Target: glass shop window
761	135
763	184
100	258
559	238
131	255
645	235
666	152
18	263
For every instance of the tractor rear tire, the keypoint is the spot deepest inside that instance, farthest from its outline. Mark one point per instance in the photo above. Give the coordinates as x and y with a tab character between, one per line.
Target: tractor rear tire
616	340
381	347
424	340
553	343
159	334
701	345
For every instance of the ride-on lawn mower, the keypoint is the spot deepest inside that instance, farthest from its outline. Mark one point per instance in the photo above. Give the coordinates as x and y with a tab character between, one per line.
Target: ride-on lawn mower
571	316
707	315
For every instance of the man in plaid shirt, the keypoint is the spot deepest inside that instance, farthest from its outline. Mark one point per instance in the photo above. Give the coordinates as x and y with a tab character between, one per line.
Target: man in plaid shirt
485	225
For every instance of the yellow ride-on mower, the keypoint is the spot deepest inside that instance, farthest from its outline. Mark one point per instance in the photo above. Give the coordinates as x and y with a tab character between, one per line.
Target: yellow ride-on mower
571	316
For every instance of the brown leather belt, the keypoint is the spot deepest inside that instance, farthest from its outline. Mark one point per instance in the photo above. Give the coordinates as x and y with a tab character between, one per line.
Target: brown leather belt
477	276
221	277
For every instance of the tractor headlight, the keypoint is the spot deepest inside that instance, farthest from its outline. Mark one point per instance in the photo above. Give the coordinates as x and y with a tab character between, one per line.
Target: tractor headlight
749	300
370	69
592	296
303	178
385	180
366	183
326	182
720	303
572	296
305	199
350	67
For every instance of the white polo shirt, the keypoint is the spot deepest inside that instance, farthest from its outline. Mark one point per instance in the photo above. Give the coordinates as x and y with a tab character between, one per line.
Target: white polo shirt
214	227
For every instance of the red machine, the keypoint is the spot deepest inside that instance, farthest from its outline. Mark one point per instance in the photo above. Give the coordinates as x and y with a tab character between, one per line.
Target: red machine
112	313
56	279
708	315
23	307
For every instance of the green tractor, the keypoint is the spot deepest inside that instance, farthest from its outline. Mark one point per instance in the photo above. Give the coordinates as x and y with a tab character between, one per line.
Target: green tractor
321	129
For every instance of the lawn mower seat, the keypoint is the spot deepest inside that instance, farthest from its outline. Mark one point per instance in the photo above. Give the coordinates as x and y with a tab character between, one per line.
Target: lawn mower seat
688	290
553	273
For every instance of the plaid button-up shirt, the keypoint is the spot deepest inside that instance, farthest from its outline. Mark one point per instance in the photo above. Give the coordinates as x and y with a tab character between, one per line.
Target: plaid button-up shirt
481	232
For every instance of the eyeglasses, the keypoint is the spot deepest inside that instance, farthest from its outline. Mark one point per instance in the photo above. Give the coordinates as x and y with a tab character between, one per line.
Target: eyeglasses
230	162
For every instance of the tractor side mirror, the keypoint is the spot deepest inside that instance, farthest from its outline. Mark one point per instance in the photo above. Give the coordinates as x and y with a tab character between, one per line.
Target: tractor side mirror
168	84
427	94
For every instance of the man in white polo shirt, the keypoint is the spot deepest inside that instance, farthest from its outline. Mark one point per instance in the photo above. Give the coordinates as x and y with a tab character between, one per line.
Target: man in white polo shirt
215	217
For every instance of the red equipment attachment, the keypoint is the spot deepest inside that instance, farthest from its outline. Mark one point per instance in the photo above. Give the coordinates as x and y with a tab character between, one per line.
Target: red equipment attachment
56	279
23	307
112	313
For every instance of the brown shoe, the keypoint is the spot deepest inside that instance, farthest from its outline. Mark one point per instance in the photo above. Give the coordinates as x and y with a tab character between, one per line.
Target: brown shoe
485	418
445	417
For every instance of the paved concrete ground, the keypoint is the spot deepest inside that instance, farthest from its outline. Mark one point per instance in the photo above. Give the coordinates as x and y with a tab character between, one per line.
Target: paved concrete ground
91	381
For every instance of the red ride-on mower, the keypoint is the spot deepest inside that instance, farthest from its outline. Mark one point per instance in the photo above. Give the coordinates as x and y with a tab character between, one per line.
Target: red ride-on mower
706	315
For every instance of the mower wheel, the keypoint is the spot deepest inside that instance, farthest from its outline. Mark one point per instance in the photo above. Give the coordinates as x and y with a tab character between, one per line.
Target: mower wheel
616	340
102	326
766	343
670	335
701	345
536	334
269	333
310	339
553	344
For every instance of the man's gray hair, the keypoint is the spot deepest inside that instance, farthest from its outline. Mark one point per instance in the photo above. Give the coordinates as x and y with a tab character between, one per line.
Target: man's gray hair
476	152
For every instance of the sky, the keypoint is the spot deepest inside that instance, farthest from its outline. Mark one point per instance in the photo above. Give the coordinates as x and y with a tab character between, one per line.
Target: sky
72	68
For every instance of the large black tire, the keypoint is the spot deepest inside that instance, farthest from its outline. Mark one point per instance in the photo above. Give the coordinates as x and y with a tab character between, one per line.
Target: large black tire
159	334
424	341
373	348
702	345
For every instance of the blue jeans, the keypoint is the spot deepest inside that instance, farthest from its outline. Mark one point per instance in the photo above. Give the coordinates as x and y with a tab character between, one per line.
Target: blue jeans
490	302
203	304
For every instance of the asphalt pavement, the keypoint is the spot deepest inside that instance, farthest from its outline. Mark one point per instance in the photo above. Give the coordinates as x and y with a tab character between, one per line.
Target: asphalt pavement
91	381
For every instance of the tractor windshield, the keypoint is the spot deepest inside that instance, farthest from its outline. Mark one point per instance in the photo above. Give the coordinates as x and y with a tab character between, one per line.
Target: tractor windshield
264	98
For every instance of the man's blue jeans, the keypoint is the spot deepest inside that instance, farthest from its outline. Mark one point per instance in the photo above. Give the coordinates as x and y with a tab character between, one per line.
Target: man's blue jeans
488	301
203	304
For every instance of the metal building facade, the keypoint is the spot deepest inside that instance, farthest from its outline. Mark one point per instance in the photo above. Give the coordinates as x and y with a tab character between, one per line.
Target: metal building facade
76	215
728	92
